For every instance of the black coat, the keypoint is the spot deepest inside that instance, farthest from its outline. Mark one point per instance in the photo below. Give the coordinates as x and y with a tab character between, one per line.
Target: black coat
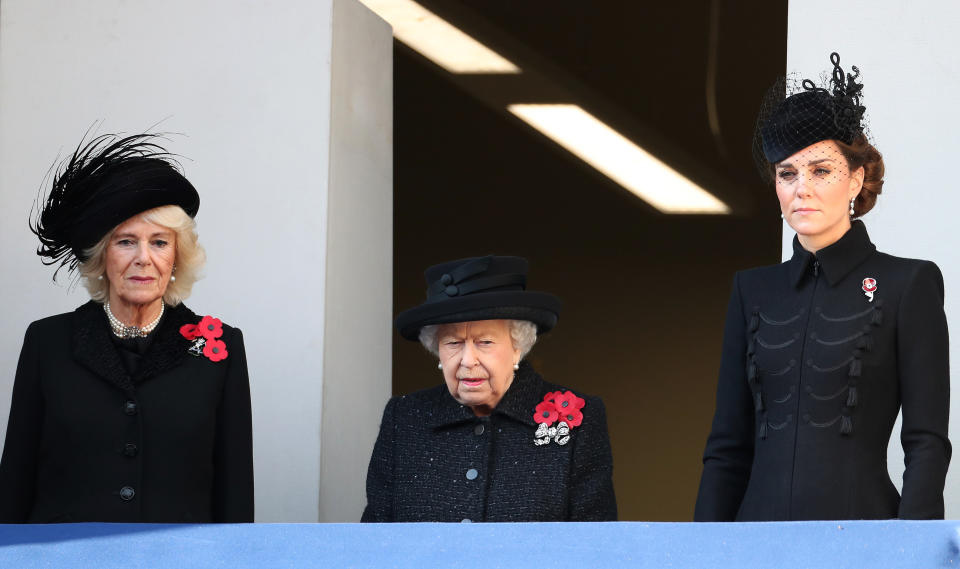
812	377
435	461
88	442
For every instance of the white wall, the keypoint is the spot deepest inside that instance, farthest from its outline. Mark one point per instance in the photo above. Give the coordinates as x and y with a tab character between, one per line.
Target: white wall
906	52
359	293
249	84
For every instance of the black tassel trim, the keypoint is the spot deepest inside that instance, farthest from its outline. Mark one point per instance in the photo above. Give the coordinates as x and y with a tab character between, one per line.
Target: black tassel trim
855	368
865	343
758	401
763	427
852	396
754	323
846	425
752	372
877	318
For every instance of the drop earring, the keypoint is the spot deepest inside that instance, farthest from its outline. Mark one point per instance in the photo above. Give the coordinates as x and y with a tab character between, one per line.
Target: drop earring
516	366
852	213
440	365
173	278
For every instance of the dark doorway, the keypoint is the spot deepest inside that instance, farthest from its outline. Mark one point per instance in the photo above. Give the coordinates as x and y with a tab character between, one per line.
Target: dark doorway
644	293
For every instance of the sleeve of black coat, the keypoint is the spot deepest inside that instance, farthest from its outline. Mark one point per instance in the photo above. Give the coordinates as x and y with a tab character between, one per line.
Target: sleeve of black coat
729	452
233	454
380	472
591	477
923	355
18	467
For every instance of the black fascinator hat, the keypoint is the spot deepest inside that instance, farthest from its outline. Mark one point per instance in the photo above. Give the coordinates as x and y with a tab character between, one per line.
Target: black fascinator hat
105	182
479	288
790	122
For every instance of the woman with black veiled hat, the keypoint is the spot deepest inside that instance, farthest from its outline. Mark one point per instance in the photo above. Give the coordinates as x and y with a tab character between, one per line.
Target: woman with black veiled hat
822	351
131	408
494	442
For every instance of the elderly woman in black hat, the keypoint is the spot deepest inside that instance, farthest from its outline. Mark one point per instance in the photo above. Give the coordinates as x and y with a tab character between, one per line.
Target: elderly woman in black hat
131	408
494	442
822	351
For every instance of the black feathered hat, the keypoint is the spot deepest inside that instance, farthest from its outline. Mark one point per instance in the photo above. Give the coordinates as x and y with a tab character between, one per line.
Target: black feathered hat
788	124
105	182
479	288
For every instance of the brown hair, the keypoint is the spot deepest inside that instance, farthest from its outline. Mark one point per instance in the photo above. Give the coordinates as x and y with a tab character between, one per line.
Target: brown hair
861	153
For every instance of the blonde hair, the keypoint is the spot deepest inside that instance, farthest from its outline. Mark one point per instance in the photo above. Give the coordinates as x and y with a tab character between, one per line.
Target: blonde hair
523	335
189	258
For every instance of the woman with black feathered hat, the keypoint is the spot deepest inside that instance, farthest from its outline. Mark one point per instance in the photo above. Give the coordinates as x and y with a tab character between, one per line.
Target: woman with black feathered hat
822	351
131	408
494	441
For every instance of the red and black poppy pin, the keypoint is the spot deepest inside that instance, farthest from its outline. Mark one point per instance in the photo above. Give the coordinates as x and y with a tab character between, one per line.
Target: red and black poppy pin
205	335
563	406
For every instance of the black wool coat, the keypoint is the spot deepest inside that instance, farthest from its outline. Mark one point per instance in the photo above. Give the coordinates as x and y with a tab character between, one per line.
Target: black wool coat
813	374
435	461
87	441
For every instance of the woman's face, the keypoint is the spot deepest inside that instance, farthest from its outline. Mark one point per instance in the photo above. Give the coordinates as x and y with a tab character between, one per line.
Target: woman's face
815	187
477	359
140	258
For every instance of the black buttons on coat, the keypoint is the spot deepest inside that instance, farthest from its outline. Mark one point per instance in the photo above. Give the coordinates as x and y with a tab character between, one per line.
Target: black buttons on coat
130	407
478	430
472	474
127	493
130	450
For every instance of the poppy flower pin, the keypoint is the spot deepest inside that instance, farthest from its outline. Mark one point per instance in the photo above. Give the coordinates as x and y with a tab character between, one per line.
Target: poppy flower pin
566	407
869	287
205	335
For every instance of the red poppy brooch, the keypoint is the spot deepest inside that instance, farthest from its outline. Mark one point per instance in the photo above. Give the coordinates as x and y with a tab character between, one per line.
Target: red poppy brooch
566	407
205	336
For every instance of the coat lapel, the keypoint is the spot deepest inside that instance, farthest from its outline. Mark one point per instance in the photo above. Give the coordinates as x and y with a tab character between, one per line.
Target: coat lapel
93	349
521	399
169	347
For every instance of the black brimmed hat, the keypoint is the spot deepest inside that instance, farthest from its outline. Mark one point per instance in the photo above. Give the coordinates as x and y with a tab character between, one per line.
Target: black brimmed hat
789	123
105	182
479	288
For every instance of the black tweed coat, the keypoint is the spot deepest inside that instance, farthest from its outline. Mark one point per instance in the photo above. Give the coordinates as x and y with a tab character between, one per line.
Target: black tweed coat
87	442
435	461
814	371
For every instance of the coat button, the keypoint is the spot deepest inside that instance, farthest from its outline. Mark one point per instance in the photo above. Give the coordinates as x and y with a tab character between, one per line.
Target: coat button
478	430
472	474
466	521
127	493
130	449
130	407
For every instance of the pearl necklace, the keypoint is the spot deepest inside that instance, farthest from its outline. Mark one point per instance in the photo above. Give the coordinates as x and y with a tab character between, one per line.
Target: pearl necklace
121	330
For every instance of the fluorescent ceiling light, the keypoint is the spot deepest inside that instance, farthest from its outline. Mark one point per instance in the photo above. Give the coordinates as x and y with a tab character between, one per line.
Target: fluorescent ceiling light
619	159
438	40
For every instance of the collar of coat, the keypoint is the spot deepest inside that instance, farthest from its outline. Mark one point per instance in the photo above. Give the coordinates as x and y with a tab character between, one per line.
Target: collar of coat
518	403
93	348
836	260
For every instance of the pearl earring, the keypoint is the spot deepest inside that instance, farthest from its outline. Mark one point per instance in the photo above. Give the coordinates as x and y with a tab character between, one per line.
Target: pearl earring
852	213
516	366
172	277
100	278
440	365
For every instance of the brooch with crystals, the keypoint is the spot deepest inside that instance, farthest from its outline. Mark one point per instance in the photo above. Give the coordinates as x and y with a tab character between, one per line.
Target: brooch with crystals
566	407
204	335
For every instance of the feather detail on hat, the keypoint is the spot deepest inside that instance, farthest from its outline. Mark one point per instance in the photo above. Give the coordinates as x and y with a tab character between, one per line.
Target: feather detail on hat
104	182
